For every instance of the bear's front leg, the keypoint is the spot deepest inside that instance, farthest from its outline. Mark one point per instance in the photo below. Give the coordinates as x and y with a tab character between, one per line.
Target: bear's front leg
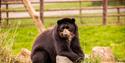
71	55
63	49
39	57
75	46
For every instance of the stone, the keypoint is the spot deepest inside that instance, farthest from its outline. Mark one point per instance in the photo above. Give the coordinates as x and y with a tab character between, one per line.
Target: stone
24	56
62	59
104	54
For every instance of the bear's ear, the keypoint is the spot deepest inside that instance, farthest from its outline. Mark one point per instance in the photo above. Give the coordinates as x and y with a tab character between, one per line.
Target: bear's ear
73	20
59	22
70	20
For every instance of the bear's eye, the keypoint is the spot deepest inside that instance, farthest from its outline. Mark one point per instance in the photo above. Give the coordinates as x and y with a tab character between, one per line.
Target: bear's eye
63	27
67	27
71	28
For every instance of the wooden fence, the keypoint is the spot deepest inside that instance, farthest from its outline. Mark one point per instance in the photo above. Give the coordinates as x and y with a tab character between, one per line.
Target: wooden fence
104	8
0	12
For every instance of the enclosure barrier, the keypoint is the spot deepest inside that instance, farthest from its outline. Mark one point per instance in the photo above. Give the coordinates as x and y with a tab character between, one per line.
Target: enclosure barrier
104	8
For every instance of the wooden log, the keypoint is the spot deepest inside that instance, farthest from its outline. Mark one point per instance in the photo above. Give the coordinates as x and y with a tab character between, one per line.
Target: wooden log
34	15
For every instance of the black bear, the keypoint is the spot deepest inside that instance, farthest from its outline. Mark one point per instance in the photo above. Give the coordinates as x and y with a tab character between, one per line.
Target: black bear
61	40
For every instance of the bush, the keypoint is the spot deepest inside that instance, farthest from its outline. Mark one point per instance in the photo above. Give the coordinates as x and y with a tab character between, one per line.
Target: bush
6	43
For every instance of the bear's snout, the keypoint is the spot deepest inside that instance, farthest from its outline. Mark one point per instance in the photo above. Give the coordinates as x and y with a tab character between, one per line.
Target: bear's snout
66	33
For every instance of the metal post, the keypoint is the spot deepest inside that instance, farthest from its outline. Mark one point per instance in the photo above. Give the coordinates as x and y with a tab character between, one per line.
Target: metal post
105	4
118	17
41	10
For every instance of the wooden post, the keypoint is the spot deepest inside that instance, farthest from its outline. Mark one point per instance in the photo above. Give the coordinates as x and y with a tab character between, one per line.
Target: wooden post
80	12
41	10
105	4
7	13
34	15
118	17
0	13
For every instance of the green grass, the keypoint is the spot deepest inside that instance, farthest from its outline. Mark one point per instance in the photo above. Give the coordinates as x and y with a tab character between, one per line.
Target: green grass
6	44
90	36
112	36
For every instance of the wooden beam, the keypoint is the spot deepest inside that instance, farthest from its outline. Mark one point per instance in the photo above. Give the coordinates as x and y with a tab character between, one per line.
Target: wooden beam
34	15
67	9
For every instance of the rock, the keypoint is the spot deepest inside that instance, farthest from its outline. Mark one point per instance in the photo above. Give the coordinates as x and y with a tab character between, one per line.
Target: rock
24	56
104	54
62	59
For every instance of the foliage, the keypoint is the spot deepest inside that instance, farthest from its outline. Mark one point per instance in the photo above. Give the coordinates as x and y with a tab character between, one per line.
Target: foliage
92	60
7	39
6	43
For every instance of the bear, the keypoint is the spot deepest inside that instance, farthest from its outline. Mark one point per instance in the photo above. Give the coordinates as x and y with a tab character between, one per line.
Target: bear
62	40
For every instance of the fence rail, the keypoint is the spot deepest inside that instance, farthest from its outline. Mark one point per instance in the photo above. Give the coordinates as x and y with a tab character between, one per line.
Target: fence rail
105	7
68	1
4	3
82	8
110	15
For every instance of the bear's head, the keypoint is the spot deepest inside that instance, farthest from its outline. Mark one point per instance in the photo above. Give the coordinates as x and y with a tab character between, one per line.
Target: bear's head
66	28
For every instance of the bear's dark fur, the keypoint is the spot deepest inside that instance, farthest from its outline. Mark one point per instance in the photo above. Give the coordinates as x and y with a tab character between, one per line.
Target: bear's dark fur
58	41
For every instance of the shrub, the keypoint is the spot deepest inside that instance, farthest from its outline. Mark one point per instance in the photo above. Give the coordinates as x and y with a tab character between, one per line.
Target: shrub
6	43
